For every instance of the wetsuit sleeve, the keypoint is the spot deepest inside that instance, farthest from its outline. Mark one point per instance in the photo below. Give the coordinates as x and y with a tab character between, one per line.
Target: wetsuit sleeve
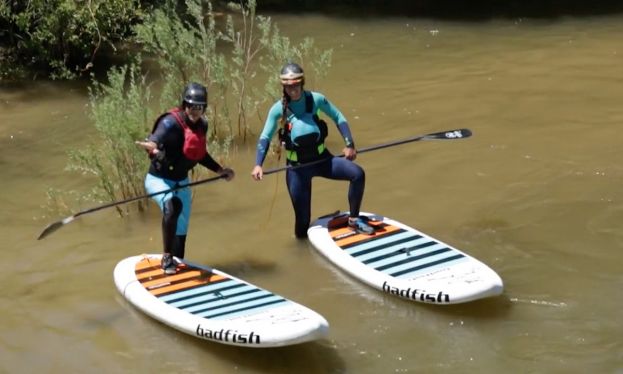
160	132
334	113
210	163
270	126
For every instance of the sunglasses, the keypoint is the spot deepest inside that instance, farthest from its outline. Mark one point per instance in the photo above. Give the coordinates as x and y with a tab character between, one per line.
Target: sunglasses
197	107
292	85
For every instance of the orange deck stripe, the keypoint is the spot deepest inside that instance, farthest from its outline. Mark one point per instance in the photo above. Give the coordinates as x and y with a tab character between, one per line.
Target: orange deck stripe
184	285
334	232
147	262
156	272
181	276
183	279
337	232
360	237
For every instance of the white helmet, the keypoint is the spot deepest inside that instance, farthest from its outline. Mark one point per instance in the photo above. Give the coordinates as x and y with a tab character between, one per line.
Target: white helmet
291	74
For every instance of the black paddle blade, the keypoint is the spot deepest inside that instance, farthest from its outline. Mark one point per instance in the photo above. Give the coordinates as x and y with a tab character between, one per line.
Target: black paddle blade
451	134
55	226
50	229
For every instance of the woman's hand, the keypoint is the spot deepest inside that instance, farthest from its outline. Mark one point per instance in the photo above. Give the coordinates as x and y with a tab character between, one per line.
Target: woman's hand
228	173
350	153
257	173
149	146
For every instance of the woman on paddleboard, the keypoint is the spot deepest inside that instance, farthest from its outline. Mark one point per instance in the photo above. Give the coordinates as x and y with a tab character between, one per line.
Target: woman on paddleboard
302	133
176	144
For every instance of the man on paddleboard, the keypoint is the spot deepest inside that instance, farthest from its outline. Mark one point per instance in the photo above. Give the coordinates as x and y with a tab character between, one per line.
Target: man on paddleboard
302	133
178	143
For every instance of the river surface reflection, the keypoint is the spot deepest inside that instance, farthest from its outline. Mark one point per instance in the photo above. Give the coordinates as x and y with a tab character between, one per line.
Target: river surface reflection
535	193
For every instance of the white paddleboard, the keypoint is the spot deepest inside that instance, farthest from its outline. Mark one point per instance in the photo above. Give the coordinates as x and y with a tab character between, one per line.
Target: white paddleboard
402	261
212	305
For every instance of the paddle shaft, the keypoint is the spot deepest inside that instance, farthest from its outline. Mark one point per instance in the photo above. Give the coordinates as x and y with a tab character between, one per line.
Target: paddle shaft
58	224
443	135
115	203
450	134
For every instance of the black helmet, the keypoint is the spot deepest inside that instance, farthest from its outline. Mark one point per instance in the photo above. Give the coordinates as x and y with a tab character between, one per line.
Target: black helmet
195	94
291	73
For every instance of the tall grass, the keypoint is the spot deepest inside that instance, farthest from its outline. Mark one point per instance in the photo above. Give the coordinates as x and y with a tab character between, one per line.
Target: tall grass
237	59
120	112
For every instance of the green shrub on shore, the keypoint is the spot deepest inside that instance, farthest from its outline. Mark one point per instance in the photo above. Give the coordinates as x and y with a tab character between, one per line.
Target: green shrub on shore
120	112
187	46
61	38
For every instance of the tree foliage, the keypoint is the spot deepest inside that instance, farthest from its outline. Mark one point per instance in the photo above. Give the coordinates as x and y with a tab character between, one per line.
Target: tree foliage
62	37
231	60
120	113
238	60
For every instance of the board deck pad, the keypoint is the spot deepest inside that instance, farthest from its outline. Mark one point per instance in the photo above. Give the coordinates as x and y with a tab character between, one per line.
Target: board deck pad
203	293
401	260
213	305
395	251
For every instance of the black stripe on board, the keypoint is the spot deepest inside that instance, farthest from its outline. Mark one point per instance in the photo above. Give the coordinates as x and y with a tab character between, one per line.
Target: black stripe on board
400	251
247	308
218	297
233	303
441	261
203	293
396	242
191	287
332	228
414	258
371	238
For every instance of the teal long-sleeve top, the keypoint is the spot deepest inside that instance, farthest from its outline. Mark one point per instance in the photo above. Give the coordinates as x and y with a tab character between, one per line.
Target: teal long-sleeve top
302	122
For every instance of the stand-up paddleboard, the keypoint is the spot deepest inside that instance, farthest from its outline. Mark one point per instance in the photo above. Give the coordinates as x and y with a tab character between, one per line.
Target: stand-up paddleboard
400	260
212	305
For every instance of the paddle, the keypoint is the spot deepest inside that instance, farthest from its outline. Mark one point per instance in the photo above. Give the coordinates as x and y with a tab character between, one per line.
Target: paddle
58	224
450	134
447	135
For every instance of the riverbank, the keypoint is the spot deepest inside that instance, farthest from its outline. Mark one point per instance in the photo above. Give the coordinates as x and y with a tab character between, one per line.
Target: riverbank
448	9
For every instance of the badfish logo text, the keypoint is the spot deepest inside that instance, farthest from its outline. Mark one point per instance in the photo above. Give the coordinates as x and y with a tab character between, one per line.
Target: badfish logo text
228	336
417	294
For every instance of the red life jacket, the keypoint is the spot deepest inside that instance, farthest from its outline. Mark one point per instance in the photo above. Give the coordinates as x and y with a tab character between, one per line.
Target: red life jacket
194	139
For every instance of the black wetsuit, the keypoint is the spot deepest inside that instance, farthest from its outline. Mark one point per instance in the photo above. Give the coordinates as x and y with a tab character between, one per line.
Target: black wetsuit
169	168
172	164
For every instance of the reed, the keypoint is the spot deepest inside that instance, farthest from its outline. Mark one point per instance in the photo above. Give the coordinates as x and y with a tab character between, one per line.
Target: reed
238	62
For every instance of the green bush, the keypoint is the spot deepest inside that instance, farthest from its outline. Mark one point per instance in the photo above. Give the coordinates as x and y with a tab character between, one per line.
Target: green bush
63	37
184	41
121	114
188	46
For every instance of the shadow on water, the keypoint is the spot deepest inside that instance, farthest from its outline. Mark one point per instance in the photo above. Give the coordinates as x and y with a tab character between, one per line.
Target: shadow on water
316	356
450	9
245	268
489	308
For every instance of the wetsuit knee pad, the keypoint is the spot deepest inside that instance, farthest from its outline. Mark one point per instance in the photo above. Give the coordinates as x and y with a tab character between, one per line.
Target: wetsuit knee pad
172	208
